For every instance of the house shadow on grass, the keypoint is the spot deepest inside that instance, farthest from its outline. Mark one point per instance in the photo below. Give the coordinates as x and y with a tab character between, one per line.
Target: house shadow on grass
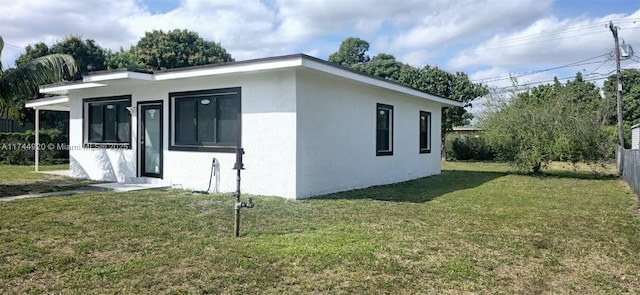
573	175
420	190
41	186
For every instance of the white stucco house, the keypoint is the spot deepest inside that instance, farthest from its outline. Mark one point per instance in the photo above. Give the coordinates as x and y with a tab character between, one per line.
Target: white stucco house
308	127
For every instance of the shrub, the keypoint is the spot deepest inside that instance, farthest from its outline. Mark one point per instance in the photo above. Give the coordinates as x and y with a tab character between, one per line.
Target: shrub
464	147
19	148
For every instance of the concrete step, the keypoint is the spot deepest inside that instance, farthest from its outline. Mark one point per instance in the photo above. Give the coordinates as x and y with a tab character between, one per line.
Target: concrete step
128	186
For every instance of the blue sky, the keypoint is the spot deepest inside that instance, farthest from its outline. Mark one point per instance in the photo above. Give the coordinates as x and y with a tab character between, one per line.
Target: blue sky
487	39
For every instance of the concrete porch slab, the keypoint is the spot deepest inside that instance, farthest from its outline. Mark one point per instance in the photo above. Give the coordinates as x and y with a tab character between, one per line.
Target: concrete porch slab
127	187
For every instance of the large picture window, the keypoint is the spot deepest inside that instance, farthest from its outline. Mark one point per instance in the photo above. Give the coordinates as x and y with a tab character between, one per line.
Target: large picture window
107	121
205	120
384	130
425	132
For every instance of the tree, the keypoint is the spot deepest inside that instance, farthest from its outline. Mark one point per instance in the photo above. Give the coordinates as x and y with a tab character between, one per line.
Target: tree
630	100
382	65
123	60
22	82
158	50
87	54
352	51
530	129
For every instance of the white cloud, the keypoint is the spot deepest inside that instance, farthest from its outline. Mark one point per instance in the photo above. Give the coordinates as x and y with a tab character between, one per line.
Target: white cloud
417	58
468	20
419	32
548	41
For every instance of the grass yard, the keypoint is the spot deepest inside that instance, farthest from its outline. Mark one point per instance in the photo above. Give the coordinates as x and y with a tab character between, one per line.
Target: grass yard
477	228
22	180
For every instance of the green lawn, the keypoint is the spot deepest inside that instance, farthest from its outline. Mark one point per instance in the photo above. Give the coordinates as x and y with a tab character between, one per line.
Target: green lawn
22	180
477	228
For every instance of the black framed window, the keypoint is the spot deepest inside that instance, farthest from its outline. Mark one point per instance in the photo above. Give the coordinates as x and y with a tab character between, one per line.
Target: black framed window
107	121
425	132
384	130
205	120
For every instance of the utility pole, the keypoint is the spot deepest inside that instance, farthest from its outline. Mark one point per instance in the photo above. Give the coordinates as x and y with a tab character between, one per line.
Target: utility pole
614	31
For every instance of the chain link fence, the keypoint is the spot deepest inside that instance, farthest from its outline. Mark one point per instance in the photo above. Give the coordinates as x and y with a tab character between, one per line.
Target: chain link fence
629	162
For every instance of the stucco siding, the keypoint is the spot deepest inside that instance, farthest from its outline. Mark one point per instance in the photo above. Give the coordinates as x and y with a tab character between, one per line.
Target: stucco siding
97	164
268	133
336	136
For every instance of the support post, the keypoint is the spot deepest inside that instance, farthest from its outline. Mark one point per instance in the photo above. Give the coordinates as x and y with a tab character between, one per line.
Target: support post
37	147
238	206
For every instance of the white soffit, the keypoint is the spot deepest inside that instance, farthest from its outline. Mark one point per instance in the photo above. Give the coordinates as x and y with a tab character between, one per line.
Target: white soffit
49	103
117	76
62	89
231	68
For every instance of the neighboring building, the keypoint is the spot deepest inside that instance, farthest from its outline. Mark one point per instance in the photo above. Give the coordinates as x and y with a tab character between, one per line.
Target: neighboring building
635	137
308	127
471	131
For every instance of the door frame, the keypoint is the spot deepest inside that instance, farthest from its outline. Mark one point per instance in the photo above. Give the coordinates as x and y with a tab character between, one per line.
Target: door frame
141	138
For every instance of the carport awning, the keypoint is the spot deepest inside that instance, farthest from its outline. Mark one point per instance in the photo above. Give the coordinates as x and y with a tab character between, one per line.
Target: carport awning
54	103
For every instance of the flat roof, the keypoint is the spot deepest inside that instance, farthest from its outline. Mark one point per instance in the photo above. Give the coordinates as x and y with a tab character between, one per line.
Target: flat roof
102	78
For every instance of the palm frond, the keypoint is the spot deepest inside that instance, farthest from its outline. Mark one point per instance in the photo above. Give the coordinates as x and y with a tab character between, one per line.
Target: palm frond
22	83
1	48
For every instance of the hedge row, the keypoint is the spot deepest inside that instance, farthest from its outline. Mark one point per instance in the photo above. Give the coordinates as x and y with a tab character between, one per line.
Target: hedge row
465	147
19	148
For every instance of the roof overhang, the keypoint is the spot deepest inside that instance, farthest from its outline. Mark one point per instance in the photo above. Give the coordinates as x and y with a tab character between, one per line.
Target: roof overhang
349	74
64	88
230	68
54	103
116	77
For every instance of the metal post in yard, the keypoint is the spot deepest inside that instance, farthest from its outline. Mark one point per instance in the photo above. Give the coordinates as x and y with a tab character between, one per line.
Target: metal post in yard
239	166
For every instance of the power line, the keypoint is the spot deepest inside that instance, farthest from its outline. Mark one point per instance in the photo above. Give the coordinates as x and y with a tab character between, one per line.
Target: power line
12	45
506	89
573	64
539	71
594	70
519	41
537	36
535	42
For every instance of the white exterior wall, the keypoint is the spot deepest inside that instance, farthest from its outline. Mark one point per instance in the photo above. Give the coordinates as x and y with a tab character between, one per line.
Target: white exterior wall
268	134
635	137
336	136
97	164
304	134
